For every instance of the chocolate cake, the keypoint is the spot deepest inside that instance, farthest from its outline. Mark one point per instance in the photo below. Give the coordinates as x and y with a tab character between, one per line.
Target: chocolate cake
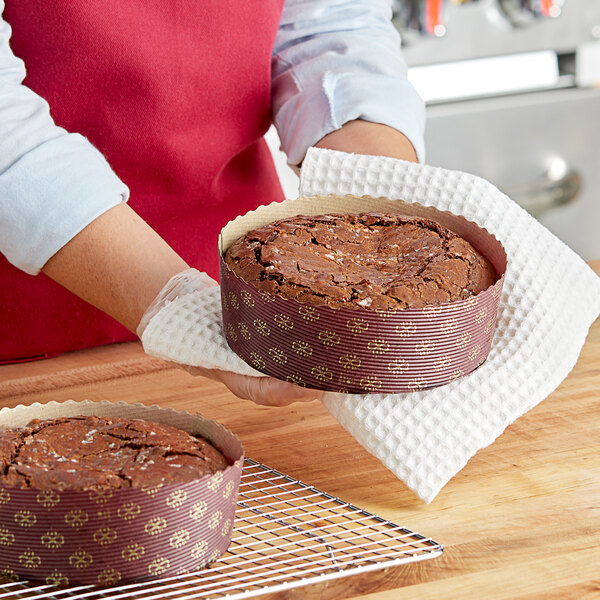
88	452
372	260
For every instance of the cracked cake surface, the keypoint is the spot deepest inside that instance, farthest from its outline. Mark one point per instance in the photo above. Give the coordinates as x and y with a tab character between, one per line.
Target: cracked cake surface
89	452
371	260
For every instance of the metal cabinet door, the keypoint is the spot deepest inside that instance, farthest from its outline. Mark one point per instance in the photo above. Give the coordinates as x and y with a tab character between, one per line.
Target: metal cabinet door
542	149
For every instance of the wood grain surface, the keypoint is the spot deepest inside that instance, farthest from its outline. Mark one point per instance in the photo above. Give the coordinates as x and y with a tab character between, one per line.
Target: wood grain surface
520	521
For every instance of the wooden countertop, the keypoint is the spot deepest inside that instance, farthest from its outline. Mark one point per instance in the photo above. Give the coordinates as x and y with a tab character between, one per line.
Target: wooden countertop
520	521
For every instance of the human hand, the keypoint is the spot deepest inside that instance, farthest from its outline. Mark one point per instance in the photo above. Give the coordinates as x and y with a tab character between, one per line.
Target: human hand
266	391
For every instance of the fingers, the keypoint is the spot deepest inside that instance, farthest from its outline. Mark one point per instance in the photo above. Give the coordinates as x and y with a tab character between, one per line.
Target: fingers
266	391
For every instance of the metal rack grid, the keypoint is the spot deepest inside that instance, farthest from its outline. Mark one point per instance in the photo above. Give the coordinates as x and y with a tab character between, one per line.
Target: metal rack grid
286	534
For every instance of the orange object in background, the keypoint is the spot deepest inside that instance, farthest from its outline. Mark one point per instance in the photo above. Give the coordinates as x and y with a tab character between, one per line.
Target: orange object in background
548	8
433	17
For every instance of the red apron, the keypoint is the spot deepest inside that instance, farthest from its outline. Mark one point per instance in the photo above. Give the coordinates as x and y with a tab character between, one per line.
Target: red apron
176	95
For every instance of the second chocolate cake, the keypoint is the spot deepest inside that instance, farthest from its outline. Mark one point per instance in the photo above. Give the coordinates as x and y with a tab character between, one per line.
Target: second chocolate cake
371	260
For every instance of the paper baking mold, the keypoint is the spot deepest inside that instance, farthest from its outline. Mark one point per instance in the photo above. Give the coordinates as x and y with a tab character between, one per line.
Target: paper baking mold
358	350
113	536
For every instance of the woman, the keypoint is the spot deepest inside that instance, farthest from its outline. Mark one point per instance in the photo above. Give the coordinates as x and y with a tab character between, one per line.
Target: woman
154	141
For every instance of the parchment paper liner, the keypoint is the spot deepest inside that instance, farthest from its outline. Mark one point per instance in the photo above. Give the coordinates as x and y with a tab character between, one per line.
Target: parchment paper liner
358	350
66	538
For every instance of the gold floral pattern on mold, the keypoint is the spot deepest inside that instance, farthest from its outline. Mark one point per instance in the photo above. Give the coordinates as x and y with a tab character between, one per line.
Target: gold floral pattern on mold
471	303
432	311
357	325
199	549
308	313
81	559
418	383
25	518
57	578
48	498
449	326
152	489
179	538
349	361
481	315
215	519
155	525
7	538
8	573
302	348
133	551
398	365
226	527
176	499
322	373
329	338
228	489
104	536
100	496
244	331
296	379
109	576
52	540
283	321
198	510
441	363
4	496
261	327
456	375
29	559
257	360
76	517
233	301
266	297
474	352
278	355
159	566
425	347
215	481
378	346
214	555
129	511
464	340
231	333
247	298
406	329
370	383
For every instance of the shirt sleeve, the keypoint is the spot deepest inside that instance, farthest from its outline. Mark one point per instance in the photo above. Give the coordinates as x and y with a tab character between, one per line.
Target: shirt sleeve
335	61
52	183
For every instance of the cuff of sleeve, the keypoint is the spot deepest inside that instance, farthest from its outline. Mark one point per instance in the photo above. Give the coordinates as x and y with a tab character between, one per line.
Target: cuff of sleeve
49	195
310	115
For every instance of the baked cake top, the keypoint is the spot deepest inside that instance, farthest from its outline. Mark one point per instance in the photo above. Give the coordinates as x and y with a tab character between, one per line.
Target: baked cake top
372	260
88	452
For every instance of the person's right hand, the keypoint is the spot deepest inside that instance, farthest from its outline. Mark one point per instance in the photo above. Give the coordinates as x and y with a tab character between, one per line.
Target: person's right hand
266	391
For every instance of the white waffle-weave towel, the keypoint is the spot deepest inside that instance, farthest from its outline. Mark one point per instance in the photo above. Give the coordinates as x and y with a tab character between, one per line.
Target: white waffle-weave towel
550	299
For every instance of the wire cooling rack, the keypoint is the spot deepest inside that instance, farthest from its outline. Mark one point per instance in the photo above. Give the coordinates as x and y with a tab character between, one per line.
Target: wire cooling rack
286	534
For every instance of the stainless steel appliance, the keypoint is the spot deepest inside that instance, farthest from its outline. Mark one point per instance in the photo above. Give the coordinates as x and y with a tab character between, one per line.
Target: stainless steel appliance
513	95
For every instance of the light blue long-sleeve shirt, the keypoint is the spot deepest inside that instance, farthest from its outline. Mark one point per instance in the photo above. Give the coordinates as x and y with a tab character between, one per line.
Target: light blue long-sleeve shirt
333	61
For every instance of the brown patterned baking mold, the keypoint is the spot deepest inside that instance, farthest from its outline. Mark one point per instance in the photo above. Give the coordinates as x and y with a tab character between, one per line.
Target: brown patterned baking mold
110	536
359	350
